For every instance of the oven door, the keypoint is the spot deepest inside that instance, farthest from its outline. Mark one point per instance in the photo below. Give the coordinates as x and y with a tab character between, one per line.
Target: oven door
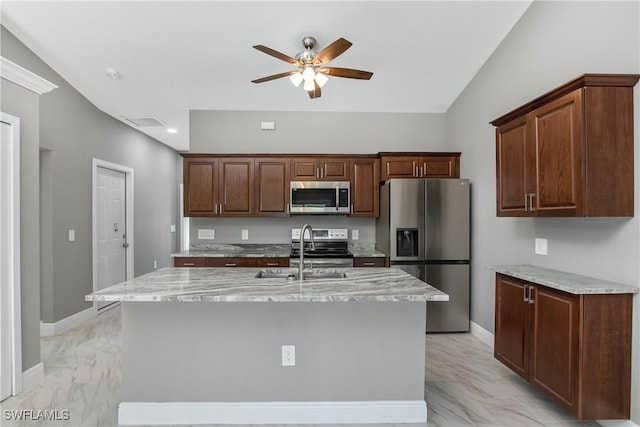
320	197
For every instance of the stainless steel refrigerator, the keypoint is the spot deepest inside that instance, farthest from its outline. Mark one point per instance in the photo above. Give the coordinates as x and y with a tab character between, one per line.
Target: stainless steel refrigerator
424	228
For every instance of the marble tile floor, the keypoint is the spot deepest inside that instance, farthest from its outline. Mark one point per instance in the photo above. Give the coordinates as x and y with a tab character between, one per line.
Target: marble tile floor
464	386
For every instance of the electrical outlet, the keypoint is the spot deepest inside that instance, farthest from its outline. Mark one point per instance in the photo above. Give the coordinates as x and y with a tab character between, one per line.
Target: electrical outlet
207	234
172	229
245	234
541	246
288	355
355	234
155	265
72	235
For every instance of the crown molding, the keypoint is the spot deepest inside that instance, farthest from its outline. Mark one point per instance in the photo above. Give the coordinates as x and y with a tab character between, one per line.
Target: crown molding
22	77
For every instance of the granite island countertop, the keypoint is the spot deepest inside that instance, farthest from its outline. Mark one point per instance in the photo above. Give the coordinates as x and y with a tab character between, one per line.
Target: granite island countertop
563	281
237	251
181	284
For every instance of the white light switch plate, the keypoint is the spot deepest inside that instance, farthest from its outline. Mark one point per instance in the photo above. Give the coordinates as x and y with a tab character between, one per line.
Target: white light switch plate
245	234
72	235
172	229
207	234
355	234
541	246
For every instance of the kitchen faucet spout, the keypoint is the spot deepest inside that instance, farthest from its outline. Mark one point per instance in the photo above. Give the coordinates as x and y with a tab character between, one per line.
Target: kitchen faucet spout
312	245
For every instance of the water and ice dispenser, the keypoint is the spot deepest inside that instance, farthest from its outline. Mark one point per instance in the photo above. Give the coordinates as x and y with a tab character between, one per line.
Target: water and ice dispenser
407	242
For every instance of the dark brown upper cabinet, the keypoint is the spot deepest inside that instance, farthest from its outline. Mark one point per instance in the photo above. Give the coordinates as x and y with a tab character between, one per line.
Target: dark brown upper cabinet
569	152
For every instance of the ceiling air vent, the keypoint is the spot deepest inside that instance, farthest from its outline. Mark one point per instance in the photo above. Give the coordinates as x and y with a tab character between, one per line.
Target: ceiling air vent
145	121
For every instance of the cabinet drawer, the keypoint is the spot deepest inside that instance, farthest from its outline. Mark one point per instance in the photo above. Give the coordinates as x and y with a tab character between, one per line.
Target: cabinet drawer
231	262
189	262
369	262
272	262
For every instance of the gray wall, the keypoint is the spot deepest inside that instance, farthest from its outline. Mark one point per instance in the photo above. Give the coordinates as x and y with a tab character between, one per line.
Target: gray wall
277	230
314	132
24	104
553	43
73	132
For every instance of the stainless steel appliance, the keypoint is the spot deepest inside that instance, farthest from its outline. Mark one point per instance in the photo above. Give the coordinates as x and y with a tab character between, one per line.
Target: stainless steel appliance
331	249
424	227
320	197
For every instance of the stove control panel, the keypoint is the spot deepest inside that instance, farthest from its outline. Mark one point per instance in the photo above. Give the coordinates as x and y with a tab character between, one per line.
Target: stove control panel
323	234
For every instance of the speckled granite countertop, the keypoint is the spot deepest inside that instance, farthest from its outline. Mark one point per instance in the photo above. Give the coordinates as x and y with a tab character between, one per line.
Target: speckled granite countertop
365	250
238	250
567	282
240	285
359	250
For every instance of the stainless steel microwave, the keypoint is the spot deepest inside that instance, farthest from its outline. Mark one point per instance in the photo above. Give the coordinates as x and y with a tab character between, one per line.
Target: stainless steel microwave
320	197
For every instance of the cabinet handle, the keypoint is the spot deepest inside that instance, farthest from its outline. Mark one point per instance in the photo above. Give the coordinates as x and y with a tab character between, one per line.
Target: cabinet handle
528	202
288	209
531	196
424	165
215	206
272	264
369	263
531	295
416	173
421	172
351	212
189	264
230	264
321	173
525	291
221	208
317	173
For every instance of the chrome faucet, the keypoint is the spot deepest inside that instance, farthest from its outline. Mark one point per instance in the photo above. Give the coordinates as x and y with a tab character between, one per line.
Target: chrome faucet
301	265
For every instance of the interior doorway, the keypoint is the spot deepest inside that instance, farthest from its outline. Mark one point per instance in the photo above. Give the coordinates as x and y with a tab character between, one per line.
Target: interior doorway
10	323
112	226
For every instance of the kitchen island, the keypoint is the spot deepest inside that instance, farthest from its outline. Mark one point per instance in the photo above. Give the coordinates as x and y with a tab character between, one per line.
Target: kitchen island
204	346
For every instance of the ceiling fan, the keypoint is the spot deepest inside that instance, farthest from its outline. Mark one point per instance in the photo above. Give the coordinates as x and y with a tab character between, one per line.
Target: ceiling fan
312	69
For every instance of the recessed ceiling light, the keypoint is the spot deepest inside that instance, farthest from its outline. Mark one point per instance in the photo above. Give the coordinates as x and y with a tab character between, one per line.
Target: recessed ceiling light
172	130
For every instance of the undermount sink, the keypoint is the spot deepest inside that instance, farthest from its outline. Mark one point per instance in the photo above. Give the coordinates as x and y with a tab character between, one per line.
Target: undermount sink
271	274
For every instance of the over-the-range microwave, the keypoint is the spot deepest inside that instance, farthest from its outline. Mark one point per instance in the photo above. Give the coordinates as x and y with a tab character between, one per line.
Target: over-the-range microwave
320	197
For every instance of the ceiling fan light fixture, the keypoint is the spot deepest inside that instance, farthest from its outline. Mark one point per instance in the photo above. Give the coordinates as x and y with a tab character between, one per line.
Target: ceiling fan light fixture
308	74
309	85
296	78
321	79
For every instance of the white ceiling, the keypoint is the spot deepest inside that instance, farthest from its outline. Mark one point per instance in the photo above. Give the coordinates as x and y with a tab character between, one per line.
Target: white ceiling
176	56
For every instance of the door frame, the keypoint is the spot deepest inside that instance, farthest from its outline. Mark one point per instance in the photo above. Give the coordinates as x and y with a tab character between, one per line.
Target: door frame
14	252
97	163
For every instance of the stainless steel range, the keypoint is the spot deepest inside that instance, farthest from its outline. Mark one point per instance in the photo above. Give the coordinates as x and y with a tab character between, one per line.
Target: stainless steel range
331	249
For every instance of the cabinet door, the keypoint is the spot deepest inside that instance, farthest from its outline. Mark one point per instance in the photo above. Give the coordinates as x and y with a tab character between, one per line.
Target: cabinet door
556	137
555	339
236	186
511	345
365	190
334	169
189	262
272	186
400	167
200	187
231	262
511	162
440	167
304	169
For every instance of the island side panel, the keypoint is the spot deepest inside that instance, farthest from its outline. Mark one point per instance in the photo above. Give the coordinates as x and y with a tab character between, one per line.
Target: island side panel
231	352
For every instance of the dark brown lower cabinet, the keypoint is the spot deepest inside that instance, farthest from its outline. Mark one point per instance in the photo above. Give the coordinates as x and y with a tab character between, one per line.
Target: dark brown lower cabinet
230	262
369	262
575	348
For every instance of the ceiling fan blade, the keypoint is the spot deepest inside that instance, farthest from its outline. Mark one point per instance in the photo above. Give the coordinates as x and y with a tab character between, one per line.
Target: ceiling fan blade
276	54
273	77
349	73
315	93
333	50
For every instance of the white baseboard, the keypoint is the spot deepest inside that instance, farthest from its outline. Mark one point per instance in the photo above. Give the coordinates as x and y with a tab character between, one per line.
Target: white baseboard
617	423
482	334
405	411
61	326
32	376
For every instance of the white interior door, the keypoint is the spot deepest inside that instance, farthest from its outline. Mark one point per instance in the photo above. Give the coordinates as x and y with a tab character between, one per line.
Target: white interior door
111	229
5	259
